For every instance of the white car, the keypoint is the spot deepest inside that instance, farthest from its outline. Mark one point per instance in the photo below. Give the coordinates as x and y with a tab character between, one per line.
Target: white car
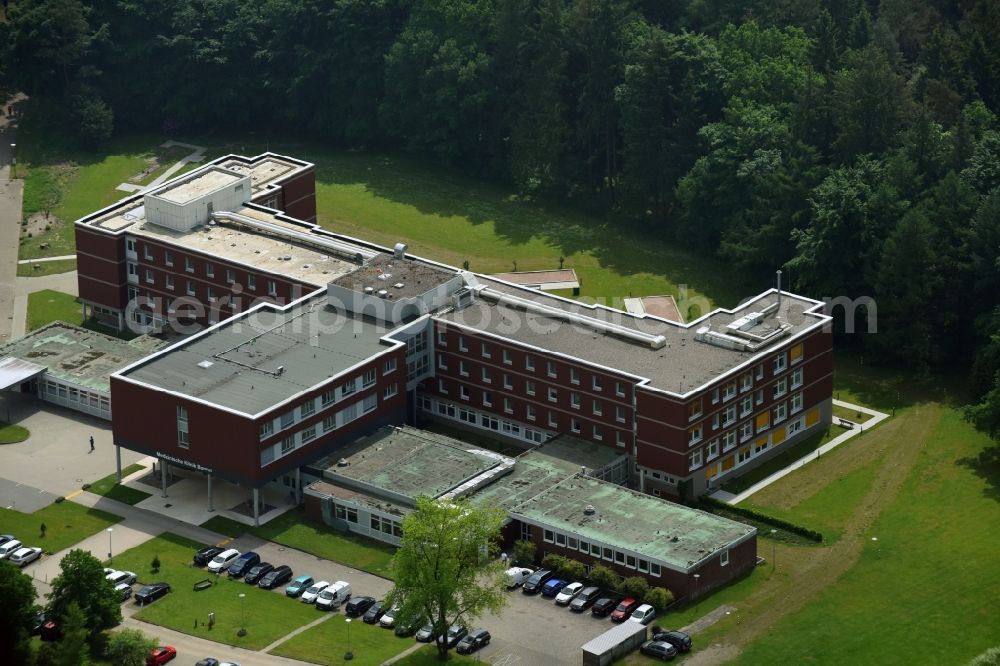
644	614
568	593
515	576
334	595
124	591
119	577
222	561
24	556
309	596
9	548
388	620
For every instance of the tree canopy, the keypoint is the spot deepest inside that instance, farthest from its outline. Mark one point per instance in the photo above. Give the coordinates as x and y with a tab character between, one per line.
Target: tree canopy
16	613
82	582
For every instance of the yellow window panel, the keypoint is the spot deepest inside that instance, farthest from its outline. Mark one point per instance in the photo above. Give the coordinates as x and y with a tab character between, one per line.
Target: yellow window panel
712	472
812	417
796	352
778	436
761	441
728	463
763	420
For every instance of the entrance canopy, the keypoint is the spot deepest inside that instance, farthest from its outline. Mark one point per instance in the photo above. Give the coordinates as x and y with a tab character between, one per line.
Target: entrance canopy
15	371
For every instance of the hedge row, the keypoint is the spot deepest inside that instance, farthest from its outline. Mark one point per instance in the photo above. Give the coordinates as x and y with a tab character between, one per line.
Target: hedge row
711	504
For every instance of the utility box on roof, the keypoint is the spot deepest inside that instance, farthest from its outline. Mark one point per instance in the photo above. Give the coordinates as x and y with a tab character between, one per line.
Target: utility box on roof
189	203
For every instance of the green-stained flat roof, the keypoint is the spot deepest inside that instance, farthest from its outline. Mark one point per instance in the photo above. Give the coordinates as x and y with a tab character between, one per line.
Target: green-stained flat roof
78	355
406	462
264	357
660	530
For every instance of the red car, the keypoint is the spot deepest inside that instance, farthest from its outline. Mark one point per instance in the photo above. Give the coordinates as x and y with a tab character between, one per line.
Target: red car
624	609
161	655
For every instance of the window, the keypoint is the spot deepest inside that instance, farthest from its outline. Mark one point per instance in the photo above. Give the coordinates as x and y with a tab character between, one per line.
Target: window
598	433
307	408
368	378
507	383
713	449
211	293
189	288
529	363
595	383
759	371
188	265
461	344
598	408
746	383
266	429
724	558
560	539
531	412
309	434
287	444
182	427
547	536
508	405
210	270
168	257
620	389
694	460
746	431
796	402
694	435
369	403
574	376
329	423
327	398
168	281
463	369
797	378
442	362
442	338
529	387
272	288
553	394
553	420
584	546
643	565
130	245
779	363
694	410
763	421
619	557
729	391
715	395
780	387
619	414
551	369
507	358
487	376
630	561
230	275
442	387
796	353
252	282
574	425
760	396
149	275
794	426
729	416
746	406
147	252
619	438
574	400
729	440
486	351
525	532
780	412
715	421
287	419
389	367
463	392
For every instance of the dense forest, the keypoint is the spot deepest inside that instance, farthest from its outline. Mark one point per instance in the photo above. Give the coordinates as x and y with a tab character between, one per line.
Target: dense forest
853	142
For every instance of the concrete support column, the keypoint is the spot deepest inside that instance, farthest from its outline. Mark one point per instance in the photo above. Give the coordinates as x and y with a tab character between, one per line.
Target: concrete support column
298	486
210	506
163	477
256	507
121	321
118	462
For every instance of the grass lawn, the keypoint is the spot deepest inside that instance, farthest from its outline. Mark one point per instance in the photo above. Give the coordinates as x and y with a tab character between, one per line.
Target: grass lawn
782	460
12	434
66	523
326	643
849	414
427	656
47	268
269	614
109	487
47	306
294	530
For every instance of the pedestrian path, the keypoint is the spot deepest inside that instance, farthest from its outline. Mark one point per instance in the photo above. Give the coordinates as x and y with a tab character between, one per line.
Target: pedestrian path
41	259
855	430
197	154
296	632
24	286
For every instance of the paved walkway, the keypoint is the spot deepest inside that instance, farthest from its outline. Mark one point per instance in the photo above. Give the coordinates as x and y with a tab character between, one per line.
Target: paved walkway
11	195
197	155
64	282
41	259
876	418
706	621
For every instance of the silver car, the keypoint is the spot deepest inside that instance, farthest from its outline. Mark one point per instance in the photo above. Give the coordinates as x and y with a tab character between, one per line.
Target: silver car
24	556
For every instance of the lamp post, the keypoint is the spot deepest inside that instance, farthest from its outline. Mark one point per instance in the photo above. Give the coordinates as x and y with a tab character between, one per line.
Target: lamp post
110	530
243	617
696	581
348	655
774	560
13	160
878	554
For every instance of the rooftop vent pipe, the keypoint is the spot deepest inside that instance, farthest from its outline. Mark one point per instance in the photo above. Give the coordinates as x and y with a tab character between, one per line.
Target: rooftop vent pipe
399	250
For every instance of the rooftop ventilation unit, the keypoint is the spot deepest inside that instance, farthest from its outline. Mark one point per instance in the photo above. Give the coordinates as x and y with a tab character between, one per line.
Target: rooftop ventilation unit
463	298
205	364
280	370
399	251
589	510
369	291
383	293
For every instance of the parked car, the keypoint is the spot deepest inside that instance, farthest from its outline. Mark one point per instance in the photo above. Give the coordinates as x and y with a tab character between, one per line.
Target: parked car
9	548
358	606
161	655
25	556
659	649
374	612
388	619
4	538
474	640
515	576
243	564
585	599
406	628
257	572
150	593
36	624
309	596
535	581
334	595
222	561
625	608
275	577
206	555
568	593
425	634
644	614
50	631
299	585
119	577
208	661
124	591
455	633
678	639
553	587
604	606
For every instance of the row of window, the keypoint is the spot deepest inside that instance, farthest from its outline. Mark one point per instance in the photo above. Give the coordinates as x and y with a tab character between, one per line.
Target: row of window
377	523
601	552
341	418
481	420
728	415
745	383
711	452
551	369
77	398
190	287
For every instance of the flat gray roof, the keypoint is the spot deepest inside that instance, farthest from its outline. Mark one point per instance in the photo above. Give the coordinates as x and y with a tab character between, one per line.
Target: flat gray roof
358	497
192	187
236	365
385	271
78	355
682	365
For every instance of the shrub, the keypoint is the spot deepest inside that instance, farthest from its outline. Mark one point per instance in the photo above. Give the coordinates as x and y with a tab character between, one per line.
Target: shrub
573	570
659	598
554	562
989	658
524	552
713	505
603	577
635	587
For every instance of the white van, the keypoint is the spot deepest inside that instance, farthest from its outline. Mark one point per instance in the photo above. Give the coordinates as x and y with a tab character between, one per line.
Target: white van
334	595
515	576
222	561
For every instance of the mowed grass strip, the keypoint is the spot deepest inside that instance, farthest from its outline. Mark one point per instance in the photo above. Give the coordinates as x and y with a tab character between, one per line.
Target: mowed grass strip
42	268
294	530
48	305
427	656
327	642
11	433
269	614
110	488
66	523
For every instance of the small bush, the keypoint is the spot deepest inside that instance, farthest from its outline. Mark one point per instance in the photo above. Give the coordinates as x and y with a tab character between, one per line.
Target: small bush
659	598
635	587
710	504
989	658
573	570
603	577
524	552
554	562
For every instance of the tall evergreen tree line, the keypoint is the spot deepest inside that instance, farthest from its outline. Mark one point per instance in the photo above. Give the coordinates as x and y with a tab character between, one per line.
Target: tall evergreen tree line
853	142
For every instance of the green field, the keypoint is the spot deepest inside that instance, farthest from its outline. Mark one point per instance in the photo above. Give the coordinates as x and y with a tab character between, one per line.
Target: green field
12	434
294	530
46	268
66	523
47	306
108	487
326	643
269	614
